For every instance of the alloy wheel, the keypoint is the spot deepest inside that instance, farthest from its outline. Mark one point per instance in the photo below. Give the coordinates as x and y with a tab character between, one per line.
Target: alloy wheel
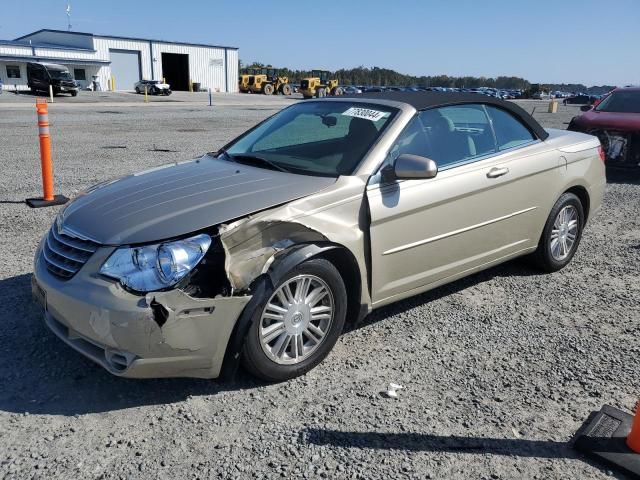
296	319
564	233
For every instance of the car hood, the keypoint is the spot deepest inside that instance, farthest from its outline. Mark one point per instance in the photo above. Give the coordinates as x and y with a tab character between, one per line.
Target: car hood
181	198
609	120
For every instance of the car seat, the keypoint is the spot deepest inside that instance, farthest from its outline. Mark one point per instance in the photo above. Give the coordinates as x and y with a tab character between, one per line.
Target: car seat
361	135
449	145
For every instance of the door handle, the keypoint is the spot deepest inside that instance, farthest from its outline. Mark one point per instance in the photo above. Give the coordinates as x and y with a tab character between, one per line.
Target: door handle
496	172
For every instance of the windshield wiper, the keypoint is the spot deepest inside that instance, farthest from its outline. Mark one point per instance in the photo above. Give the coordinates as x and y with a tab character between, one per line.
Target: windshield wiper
255	160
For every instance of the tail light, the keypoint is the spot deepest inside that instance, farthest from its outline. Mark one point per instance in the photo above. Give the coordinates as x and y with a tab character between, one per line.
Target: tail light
601	153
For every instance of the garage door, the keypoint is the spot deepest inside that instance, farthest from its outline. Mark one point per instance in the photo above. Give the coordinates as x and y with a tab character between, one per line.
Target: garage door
125	67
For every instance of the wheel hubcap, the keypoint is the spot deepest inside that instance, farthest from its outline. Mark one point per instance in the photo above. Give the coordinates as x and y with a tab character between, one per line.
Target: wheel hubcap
564	233
296	319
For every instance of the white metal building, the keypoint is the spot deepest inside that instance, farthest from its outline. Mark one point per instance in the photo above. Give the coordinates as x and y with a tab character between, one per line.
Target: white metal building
125	60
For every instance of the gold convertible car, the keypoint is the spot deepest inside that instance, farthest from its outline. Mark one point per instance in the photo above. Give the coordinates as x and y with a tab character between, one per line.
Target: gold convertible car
258	253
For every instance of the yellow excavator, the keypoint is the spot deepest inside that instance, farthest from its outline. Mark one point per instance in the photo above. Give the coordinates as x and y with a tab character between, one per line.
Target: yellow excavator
268	82
243	80
319	85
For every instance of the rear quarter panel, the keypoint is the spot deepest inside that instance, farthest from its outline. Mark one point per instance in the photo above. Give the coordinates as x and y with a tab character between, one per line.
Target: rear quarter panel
583	166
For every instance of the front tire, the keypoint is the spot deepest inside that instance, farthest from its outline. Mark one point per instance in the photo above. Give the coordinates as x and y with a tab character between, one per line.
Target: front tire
297	323
286	89
561	235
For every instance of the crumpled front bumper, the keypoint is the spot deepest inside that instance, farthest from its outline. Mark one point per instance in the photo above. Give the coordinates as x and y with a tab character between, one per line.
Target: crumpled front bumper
165	334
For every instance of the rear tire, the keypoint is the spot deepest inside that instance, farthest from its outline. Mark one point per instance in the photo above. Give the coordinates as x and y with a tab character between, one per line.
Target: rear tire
561	235
283	356
268	89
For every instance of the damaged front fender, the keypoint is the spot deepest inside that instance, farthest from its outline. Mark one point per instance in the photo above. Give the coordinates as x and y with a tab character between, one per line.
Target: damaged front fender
251	246
336	216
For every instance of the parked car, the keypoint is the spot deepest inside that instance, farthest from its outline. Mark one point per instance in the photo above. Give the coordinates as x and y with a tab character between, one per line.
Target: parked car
154	87
581	99
41	76
351	90
616	122
328	209
540	95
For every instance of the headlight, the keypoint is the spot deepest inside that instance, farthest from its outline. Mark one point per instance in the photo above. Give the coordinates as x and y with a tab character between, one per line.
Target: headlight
154	267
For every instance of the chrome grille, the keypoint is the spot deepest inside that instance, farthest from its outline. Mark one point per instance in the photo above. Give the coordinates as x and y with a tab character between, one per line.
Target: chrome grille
64	254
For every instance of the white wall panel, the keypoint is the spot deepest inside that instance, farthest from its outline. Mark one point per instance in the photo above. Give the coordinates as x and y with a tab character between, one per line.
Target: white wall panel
69	54
11	83
103	45
15	50
210	66
232	70
206	65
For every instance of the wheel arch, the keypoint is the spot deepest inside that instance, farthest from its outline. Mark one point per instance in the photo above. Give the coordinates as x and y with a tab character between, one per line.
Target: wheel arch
583	195
341	258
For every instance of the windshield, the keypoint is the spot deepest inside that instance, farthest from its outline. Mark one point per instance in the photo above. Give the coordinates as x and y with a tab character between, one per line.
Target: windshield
316	138
60	74
621	102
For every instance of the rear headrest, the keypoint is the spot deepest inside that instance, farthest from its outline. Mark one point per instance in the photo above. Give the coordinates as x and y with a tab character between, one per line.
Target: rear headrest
442	123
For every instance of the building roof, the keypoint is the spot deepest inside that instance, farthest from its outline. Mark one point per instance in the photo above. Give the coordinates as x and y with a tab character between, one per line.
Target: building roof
427	100
95	35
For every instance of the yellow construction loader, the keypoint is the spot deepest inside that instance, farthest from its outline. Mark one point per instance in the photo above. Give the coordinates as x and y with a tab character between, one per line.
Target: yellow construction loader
243	80
319	85
269	82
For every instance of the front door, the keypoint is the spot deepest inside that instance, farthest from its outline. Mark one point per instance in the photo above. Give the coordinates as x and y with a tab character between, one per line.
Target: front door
479	209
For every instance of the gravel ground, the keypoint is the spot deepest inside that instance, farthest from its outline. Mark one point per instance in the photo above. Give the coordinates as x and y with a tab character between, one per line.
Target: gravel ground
499	370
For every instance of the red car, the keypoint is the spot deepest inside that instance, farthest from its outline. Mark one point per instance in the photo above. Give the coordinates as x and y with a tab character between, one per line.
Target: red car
616	122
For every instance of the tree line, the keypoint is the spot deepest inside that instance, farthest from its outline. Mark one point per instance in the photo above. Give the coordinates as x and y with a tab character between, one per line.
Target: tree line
376	76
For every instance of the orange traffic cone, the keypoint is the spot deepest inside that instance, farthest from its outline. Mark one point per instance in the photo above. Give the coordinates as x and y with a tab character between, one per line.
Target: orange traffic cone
633	440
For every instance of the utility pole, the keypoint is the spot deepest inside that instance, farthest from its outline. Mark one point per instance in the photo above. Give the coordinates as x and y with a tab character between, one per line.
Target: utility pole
69	16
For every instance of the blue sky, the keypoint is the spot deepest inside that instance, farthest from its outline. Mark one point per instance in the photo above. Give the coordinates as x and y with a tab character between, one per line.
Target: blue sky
581	41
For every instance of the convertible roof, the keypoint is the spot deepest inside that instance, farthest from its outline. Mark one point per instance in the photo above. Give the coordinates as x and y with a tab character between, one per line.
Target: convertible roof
427	100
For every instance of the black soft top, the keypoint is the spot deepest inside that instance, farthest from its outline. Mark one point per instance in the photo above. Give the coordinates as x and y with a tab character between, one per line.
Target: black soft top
427	100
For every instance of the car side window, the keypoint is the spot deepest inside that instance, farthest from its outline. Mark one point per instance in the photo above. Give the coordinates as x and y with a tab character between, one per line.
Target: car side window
510	132
411	141
458	134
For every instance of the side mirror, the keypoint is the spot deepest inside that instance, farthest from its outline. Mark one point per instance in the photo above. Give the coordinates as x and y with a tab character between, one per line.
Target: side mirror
585	108
409	166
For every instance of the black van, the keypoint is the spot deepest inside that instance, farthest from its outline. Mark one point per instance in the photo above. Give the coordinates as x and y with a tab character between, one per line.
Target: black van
41	75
